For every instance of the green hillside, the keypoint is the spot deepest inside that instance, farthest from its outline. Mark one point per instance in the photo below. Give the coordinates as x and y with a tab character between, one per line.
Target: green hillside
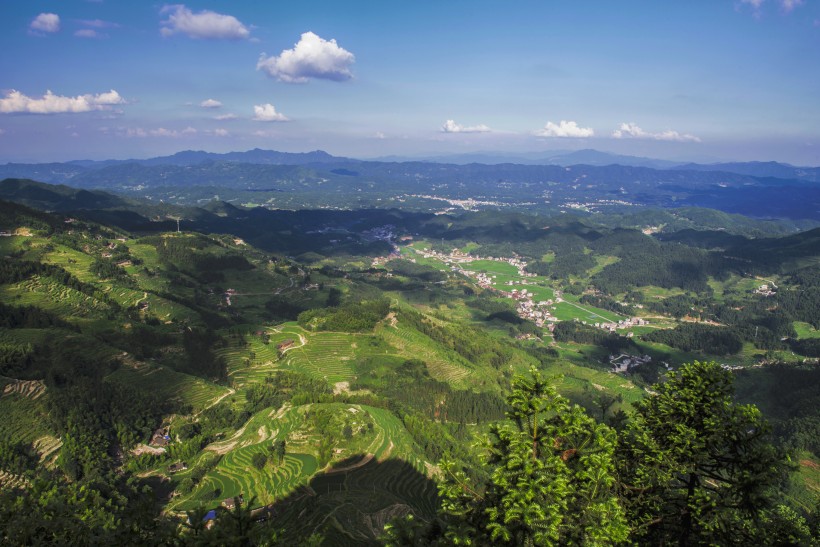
327	393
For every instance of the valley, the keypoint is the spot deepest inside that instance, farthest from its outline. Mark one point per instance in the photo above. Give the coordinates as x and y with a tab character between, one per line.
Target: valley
319	366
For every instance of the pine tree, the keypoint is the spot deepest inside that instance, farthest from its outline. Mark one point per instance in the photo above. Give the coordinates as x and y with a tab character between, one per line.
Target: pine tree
696	468
552	480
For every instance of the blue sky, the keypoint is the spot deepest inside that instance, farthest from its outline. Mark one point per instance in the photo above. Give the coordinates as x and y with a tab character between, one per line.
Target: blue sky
699	80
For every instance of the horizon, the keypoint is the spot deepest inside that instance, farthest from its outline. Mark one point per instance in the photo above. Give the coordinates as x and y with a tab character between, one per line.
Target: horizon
431	157
727	81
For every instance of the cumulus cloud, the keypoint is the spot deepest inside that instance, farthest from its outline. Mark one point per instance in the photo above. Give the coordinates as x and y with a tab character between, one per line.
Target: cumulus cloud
311	57
210	103
16	102
450	126
565	129
225	117
94	28
267	113
632	130
45	23
204	24
219	133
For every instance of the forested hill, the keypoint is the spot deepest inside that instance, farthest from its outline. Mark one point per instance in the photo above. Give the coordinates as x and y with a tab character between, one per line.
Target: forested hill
311	376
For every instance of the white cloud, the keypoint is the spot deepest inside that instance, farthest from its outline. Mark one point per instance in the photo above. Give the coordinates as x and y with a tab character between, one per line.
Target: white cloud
789	5
87	33
159	132
97	23
205	24
45	22
632	130
219	133
450	126
16	102
786	5
267	113
565	129
2	131
210	103
226	117
311	57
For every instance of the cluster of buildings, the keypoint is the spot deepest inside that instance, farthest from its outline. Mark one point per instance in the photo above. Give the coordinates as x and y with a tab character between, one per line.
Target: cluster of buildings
612	326
537	312
766	289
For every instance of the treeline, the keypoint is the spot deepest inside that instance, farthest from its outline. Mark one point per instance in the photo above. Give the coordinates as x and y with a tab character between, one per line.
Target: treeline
200	358
351	317
408	387
575	331
29	317
97	418
792	393
645	261
564	265
420	271
699	337
690	466
282	386
106	268
14	271
191	254
606	303
17	457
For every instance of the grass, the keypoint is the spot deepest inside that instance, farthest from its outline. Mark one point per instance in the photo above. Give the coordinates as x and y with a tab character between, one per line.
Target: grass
805	330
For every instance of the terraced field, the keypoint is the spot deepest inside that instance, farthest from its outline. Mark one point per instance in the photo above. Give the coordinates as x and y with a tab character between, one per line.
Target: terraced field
170	384
24	416
446	367
52	296
72	260
327	355
235	473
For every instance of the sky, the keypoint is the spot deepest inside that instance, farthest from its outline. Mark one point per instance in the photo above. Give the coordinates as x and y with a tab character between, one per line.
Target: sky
698	80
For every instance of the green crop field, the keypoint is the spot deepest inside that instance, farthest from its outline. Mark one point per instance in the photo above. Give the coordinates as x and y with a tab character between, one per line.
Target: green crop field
50	295
444	365
235	474
326	355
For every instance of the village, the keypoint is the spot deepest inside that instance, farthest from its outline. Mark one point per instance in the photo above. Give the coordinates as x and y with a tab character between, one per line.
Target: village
527	307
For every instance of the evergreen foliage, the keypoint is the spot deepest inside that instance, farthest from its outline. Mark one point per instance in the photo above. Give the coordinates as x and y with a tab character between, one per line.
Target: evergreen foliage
695	467
552	479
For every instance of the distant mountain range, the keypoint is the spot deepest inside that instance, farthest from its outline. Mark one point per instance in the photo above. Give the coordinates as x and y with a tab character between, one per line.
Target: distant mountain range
566	179
64	172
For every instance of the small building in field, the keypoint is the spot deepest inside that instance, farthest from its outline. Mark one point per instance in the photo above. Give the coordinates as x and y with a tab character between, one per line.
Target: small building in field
285	344
177	467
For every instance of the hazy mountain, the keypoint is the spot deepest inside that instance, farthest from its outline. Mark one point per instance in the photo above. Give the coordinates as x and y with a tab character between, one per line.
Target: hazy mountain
771	169
553	157
58	197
